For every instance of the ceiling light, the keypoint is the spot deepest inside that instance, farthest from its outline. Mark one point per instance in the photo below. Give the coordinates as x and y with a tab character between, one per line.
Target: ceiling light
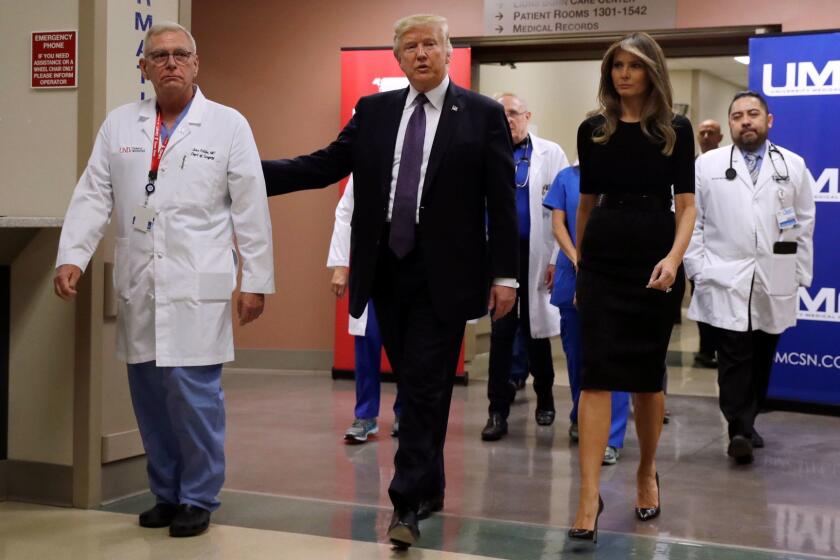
742	59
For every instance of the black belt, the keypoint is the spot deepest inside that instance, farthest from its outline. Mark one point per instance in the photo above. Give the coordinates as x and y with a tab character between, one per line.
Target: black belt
634	201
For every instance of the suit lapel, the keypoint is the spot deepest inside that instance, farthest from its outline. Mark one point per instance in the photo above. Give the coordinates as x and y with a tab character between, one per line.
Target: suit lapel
449	115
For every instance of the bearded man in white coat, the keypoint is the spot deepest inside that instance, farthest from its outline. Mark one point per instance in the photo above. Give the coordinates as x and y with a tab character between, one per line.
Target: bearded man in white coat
751	250
537	161
180	176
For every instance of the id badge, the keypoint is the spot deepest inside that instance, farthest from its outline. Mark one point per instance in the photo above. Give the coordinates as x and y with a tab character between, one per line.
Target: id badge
787	218
144	218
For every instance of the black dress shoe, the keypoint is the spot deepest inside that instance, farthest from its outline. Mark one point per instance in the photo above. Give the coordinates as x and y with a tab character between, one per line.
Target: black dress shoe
159	516
756	440
741	449
495	428
430	506
403	530
189	521
646	514
544	417
703	360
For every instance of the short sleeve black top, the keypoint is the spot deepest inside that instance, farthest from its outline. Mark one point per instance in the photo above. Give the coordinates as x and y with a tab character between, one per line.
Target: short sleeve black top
632	163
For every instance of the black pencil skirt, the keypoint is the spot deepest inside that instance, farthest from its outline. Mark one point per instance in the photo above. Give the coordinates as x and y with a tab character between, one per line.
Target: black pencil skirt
625	327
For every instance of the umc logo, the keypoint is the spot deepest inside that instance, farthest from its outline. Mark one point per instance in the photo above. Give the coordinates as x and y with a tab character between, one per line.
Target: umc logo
822	307
826	186
803	78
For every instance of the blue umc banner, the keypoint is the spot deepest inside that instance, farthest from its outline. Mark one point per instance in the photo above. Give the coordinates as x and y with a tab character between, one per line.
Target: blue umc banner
800	76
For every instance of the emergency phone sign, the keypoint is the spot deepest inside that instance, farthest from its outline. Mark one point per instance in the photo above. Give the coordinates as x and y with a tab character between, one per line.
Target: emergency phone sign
54	59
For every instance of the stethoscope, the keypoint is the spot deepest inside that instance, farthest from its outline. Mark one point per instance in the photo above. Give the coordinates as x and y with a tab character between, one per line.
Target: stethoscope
524	159
772	149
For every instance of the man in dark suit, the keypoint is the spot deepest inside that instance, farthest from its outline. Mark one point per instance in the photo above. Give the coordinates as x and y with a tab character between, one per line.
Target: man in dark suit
434	239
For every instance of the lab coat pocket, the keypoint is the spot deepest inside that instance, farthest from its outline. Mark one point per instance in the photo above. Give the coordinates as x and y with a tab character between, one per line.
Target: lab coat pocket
122	271
201	174
782	275
217	273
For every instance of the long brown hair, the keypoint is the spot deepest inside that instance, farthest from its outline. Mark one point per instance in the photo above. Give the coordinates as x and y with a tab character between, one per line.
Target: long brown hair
657	113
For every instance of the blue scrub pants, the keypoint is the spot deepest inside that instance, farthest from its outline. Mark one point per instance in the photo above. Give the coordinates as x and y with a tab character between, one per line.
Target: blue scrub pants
570	337
368	350
181	415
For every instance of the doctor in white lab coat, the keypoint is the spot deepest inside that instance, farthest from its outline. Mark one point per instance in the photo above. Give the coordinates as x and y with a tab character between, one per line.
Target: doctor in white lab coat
175	265
751	250
537	163
367	342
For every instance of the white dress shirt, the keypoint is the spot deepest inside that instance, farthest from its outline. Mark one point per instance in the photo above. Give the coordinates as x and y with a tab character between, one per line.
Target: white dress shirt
433	109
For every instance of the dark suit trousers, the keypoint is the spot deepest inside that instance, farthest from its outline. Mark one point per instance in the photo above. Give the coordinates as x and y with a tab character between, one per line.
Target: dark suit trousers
744	362
423	351
707	334
500	392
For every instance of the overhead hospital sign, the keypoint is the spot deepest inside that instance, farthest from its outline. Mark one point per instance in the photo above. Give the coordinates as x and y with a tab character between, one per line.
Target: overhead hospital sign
535	17
54	59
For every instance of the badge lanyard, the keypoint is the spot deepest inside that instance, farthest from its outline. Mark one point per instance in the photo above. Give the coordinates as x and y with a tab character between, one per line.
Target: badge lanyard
158	148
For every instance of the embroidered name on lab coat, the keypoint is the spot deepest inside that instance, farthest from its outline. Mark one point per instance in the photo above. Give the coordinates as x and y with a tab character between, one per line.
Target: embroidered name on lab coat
203	153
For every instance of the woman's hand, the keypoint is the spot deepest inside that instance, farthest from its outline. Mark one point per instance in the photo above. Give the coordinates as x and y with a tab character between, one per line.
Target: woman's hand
664	274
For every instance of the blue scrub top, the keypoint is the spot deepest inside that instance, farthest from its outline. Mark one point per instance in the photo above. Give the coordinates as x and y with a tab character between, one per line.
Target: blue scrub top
522	157
564	194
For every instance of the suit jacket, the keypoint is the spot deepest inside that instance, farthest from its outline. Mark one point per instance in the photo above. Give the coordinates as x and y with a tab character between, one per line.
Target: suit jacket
467	230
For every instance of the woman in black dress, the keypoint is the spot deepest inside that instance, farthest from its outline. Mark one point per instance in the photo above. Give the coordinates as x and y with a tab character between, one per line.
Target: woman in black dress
632	151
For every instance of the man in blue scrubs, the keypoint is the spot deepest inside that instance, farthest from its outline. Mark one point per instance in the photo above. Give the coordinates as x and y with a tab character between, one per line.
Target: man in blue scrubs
562	200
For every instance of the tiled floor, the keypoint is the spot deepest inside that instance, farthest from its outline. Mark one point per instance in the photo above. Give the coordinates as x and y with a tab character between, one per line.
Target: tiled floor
295	490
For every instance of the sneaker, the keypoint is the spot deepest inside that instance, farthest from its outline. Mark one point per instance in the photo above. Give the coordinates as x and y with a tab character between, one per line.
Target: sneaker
361	429
395	430
574	434
611	455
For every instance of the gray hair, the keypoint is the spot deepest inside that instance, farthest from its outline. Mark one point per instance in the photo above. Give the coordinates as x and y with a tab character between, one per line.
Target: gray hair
163	27
498	97
421	20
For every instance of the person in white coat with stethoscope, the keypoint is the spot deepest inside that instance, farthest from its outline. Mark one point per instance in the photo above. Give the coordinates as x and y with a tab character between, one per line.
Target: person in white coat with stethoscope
537	163
751	250
179	176
367	341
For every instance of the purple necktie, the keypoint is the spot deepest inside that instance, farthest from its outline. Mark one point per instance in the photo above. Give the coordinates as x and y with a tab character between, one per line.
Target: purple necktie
404	212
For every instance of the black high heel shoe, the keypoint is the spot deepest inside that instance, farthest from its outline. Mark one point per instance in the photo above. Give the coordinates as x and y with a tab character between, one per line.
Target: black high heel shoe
586	534
646	514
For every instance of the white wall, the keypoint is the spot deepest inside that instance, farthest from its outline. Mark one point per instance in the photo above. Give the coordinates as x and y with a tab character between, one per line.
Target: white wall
37	127
559	94
714	96
124	37
41	351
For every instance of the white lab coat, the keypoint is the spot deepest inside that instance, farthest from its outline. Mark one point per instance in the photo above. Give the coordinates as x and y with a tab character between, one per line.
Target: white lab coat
731	249
339	254
547	160
174	283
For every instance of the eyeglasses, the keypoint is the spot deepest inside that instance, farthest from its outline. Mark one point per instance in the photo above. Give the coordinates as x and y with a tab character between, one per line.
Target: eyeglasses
160	58
513	114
